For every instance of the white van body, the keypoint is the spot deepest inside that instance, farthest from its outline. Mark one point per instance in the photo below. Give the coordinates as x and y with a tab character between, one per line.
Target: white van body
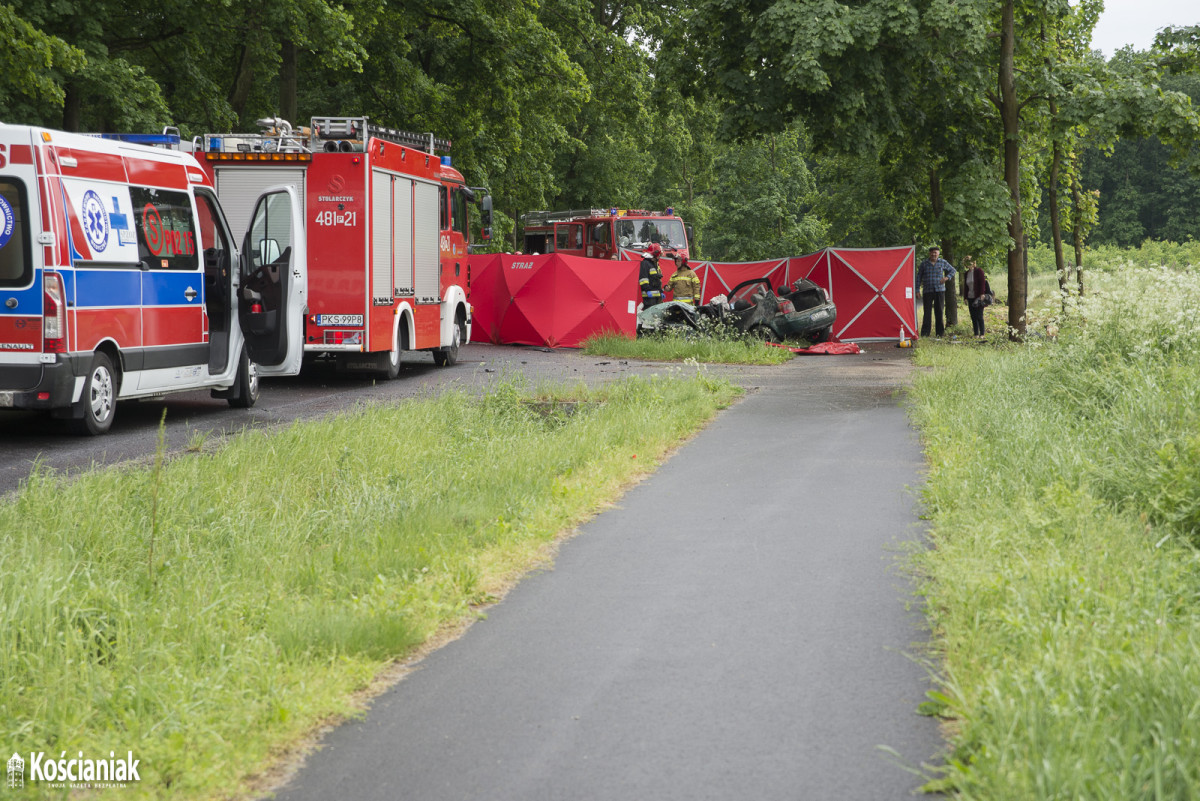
119	278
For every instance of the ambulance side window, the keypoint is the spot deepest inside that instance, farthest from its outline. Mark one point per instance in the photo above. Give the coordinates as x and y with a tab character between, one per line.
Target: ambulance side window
16	263
214	241
212	234
166	232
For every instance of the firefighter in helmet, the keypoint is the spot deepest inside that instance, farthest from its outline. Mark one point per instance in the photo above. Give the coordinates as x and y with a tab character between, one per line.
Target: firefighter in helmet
650	277
685	284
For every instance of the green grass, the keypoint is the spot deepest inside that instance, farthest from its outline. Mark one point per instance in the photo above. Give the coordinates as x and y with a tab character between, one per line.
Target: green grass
280	572
673	348
1063	579
1105	258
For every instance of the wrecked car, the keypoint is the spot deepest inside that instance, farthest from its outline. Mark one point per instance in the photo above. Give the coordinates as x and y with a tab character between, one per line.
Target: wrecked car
801	311
671	315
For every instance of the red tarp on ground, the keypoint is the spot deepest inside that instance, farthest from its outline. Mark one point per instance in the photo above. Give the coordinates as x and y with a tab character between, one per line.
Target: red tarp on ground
562	300
823	348
552	300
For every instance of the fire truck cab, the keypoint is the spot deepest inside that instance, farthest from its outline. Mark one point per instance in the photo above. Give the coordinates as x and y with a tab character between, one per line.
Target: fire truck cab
387	231
604	233
121	278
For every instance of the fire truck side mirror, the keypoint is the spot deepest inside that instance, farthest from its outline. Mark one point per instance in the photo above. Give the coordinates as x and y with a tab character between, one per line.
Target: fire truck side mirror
691	235
485	212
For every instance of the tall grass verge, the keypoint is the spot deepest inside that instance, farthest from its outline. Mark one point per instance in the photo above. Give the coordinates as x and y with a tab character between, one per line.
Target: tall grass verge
671	347
1062	585
1107	258
288	568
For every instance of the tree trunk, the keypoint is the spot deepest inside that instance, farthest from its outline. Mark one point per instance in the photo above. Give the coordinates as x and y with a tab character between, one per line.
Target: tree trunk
287	83
72	107
938	203
951	294
1010	115
1055	224
1077	216
243	81
1060	266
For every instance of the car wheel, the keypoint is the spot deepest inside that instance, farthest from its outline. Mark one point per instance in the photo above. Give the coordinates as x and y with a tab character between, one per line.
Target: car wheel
245	386
99	400
823	335
448	356
764	333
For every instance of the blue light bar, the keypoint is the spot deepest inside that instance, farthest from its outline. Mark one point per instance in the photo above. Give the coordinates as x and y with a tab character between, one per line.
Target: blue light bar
142	139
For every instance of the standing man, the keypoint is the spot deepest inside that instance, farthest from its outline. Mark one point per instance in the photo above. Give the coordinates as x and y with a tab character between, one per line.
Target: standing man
650	277
932	275
685	284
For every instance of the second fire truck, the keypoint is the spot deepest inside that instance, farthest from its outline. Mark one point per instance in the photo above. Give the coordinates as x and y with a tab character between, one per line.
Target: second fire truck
387	229
604	233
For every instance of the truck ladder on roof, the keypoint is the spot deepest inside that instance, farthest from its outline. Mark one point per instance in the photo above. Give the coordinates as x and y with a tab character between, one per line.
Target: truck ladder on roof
548	217
356	127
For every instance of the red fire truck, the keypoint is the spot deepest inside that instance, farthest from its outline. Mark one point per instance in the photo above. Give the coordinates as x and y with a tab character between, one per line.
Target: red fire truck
386	227
604	233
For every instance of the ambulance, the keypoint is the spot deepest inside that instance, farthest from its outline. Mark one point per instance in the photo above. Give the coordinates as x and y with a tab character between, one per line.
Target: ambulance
120	278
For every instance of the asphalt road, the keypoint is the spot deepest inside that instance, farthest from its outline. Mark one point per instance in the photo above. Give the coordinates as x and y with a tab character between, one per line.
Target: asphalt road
736	628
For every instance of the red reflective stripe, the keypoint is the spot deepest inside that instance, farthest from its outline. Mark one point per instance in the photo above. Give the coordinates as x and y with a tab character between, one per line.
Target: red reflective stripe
123	326
173	326
19	331
92	165
156	173
21	154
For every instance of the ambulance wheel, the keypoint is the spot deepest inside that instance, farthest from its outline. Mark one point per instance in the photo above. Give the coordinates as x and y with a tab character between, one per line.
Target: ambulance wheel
448	356
98	403
245	387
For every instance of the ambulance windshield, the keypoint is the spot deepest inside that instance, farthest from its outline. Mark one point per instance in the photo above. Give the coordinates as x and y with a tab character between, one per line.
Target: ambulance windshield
15	269
636	234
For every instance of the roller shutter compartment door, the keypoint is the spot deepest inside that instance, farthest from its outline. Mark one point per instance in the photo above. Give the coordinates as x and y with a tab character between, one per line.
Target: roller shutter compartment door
381	238
426	219
402	210
239	188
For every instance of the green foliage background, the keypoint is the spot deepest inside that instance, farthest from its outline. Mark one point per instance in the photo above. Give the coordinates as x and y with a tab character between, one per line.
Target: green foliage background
564	104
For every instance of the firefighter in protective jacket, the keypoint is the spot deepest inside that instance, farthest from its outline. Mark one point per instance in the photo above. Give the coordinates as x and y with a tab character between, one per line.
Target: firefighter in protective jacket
685	284
650	277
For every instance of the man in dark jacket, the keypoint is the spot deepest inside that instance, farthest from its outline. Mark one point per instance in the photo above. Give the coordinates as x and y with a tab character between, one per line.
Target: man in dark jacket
650	277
